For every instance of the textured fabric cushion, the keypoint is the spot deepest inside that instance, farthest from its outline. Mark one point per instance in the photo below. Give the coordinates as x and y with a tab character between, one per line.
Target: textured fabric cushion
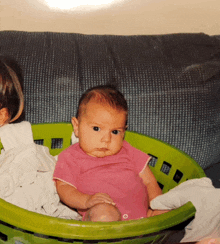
171	82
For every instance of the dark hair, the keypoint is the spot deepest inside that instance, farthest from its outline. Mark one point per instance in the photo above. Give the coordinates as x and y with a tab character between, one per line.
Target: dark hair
104	94
11	83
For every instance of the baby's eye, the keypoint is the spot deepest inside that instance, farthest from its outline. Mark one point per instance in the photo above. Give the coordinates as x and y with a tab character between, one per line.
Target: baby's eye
96	128
115	132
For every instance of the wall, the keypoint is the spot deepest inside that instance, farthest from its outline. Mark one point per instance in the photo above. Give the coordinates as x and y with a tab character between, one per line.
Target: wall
122	17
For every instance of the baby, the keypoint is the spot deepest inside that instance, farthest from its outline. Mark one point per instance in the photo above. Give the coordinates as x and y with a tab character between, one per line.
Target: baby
103	176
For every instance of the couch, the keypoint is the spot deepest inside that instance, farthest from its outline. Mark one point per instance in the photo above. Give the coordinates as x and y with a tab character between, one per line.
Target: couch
171	82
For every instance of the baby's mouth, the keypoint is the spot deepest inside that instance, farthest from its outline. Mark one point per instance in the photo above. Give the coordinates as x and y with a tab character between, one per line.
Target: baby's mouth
103	149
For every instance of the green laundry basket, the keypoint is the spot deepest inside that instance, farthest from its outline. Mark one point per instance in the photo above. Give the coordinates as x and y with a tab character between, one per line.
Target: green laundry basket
169	165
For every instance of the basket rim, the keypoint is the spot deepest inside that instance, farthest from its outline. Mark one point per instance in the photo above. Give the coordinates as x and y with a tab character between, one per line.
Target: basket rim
75	229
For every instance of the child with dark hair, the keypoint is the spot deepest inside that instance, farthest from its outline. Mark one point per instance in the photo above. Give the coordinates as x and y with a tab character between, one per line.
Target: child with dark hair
26	169
11	96
103	176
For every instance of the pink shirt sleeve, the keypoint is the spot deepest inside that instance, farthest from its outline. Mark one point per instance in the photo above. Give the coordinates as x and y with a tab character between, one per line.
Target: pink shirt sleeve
66	169
140	158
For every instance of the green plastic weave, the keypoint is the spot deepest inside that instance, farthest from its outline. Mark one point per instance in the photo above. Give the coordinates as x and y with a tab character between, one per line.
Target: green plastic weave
170	167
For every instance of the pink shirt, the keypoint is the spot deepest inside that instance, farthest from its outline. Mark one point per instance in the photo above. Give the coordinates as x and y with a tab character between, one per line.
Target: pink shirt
116	175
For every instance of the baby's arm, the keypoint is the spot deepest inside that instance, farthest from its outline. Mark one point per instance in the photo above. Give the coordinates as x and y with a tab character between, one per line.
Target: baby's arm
153	189
151	183
75	199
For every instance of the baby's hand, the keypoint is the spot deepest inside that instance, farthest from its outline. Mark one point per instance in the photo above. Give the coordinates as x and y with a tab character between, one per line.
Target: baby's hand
98	198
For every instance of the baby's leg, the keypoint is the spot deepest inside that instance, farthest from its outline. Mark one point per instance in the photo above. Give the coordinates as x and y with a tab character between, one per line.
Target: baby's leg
151	212
103	212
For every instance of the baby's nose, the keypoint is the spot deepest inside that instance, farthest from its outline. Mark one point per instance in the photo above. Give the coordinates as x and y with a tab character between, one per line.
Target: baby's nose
106	137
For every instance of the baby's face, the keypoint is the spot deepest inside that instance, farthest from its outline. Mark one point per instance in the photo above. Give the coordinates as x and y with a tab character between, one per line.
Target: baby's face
100	130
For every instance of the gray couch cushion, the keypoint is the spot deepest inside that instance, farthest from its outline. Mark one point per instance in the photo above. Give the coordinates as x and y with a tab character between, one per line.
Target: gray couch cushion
171	82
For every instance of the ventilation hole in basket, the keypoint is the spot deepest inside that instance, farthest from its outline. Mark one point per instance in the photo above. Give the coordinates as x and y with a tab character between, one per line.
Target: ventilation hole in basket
153	160
3	237
56	143
39	142
165	168
160	185
178	176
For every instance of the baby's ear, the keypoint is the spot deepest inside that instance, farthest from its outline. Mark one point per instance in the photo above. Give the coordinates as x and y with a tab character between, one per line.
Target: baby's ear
75	124
4	116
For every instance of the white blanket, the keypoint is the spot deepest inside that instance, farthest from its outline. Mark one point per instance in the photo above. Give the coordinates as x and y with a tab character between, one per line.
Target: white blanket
26	173
206	199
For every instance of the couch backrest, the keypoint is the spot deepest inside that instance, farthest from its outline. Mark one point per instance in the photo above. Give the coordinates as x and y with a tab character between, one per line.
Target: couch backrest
171	82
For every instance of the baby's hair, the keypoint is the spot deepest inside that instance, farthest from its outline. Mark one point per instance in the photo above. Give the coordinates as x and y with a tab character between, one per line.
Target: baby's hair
105	94
11	95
